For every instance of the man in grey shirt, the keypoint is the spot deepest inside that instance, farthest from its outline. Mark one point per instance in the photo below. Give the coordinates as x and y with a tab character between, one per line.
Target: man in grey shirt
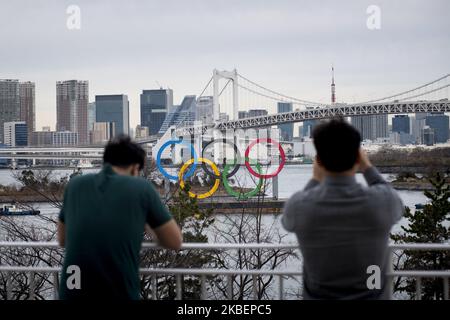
342	227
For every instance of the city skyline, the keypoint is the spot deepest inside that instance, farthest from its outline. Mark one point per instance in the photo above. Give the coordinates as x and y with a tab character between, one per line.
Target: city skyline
288	56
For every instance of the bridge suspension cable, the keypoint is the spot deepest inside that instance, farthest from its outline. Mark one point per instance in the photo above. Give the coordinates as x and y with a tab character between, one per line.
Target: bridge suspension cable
286	97
411	90
259	93
206	87
424	93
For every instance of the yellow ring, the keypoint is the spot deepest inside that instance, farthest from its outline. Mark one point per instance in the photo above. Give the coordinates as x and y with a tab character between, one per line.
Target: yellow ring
216	183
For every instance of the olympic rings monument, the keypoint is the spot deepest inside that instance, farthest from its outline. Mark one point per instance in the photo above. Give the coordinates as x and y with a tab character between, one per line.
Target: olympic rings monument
256	151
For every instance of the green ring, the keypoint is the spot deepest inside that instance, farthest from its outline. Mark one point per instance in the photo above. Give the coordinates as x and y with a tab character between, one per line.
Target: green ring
240	195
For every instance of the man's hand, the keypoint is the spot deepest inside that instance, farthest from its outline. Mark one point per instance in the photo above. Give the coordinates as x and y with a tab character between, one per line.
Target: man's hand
318	171
363	159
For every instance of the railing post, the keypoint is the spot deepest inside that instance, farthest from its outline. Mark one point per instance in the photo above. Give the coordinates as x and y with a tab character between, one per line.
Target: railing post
32	285
55	285
255	287
390	278
418	288
280	287
230	287
446	288
178	287
8	285
154	287
203	287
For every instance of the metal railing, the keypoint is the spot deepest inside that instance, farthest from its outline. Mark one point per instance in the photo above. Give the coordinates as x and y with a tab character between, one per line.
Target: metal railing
282	275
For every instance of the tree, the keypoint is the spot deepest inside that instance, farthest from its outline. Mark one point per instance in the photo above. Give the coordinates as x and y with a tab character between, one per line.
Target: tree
248	226
193	222
46	185
427	226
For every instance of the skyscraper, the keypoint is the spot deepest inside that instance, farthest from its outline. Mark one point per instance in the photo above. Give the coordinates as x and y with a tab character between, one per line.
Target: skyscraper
371	127
72	108
155	104
439	122
27	106
286	130
418	122
204	111
400	123
113	108
91	115
185	113
9	103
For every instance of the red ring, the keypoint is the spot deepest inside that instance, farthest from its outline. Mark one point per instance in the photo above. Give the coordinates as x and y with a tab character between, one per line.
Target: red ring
280	167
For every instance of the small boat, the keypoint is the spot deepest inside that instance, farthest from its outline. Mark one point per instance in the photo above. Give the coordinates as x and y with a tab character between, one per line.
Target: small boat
12	210
419	206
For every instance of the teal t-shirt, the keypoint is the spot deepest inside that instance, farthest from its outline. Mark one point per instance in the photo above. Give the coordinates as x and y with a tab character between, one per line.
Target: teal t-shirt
104	216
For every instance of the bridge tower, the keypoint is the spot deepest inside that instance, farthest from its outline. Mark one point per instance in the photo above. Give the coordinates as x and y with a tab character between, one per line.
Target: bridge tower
230	75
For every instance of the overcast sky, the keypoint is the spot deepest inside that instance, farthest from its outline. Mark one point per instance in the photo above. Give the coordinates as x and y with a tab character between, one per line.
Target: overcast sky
288	46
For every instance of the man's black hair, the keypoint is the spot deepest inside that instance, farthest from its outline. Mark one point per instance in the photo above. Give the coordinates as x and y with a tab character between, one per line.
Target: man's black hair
337	144
122	152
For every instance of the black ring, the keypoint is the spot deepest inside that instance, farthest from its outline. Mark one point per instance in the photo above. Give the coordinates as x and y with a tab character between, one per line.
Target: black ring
236	165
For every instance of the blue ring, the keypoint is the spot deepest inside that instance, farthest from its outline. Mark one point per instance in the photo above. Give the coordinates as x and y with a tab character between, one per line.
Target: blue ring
164	172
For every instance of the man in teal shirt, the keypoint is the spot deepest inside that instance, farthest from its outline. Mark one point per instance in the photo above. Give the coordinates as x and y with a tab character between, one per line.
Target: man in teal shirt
102	223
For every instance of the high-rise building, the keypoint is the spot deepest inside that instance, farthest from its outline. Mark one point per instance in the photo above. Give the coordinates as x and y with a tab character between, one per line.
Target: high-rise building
287	129
72	108
9	103
401	123
418	122
371	127
428	136
103	131
184	114
307	128
401	138
155	104
16	134
91	115
204	111
113	108
439	122
27	106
